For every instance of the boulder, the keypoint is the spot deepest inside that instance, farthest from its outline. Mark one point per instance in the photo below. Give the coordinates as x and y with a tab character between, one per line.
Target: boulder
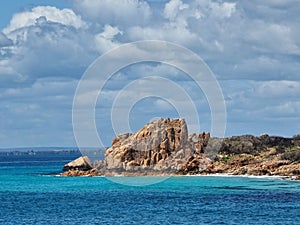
82	163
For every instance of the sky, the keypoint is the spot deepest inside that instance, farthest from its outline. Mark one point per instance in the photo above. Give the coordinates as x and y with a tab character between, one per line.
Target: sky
251	47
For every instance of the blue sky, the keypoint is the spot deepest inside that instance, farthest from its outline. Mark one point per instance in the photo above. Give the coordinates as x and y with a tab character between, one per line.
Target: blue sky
252	47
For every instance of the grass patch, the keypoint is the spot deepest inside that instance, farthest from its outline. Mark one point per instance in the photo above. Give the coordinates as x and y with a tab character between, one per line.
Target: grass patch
225	159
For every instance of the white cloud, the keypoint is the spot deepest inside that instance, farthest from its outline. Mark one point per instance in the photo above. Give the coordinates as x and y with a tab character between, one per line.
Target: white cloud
244	93
272	37
29	18
173	7
4	41
46	42
252	46
222	33
117	12
105	40
168	32
222	10
110	32
278	89
8	74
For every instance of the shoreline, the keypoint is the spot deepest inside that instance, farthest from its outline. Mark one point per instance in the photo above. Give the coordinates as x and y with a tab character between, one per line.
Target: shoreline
228	175
250	176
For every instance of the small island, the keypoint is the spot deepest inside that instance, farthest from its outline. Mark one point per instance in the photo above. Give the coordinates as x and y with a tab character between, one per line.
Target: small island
164	147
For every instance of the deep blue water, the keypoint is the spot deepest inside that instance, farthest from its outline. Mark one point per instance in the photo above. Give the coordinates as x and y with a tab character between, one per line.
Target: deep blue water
29	195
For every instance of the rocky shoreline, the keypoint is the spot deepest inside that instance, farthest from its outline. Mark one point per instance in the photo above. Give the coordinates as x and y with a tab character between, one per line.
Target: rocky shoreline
164	147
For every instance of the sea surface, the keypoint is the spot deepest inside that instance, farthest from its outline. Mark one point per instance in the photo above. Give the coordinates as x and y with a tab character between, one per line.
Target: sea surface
30	194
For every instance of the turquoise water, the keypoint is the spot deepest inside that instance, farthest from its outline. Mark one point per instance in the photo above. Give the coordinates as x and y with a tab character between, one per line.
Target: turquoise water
29	195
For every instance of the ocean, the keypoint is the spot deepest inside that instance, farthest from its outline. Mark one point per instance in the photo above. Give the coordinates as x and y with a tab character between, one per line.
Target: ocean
30	194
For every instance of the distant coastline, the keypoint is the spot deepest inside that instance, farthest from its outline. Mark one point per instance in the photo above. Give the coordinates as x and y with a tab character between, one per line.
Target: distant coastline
37	150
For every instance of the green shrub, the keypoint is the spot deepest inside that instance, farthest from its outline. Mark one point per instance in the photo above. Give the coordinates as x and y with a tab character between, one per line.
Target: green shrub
225	159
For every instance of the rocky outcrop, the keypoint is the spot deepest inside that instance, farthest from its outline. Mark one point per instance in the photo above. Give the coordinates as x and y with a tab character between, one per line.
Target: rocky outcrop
80	164
162	146
262	164
78	173
165	147
263	155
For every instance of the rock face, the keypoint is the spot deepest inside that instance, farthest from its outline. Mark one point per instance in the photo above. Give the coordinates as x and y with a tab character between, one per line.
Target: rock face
165	147
161	146
80	164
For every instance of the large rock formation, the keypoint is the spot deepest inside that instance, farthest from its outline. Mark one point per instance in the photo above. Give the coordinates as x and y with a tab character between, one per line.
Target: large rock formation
164	147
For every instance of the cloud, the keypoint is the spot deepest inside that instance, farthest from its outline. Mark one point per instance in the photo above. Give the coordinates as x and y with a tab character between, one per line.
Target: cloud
39	114
174	7
223	10
105	40
9	75
228	38
255	100
261	68
273	38
46	42
283	90
30	18
255	107
179	35
253	47
4	40
217	31
117	13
